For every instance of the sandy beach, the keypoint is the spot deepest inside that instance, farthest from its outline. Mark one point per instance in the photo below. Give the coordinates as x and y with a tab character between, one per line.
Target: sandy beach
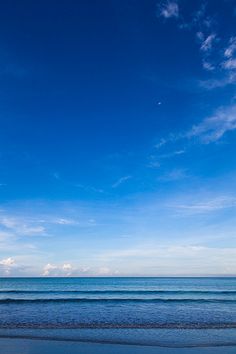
28	346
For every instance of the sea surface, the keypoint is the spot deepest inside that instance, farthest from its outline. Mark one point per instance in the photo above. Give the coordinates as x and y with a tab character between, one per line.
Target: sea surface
177	312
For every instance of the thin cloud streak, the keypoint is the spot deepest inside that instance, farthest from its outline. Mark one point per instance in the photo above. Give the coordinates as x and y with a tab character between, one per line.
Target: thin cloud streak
121	181
205	206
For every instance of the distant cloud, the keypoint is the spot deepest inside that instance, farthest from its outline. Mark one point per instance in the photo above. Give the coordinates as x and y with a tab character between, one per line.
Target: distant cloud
64	270
106	271
7	262
178	259
6	265
54	270
121	181
168	9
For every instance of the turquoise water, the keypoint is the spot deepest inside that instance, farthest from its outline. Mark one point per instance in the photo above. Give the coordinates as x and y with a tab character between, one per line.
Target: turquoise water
157	311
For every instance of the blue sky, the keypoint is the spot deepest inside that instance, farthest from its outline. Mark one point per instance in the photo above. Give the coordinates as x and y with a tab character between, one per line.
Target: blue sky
117	139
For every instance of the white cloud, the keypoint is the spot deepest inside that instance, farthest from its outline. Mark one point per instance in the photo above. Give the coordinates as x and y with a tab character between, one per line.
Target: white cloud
48	269
67	267
168	9
6	265
120	181
214	127
7	262
64	270
55	270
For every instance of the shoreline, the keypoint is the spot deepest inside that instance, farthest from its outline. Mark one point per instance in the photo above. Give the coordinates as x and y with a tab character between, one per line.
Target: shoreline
100	342
37	346
169	339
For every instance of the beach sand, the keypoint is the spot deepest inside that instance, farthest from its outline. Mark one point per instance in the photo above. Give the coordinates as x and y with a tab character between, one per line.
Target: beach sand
29	346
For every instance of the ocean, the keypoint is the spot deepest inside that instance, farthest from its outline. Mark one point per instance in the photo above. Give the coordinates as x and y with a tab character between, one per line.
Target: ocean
174	312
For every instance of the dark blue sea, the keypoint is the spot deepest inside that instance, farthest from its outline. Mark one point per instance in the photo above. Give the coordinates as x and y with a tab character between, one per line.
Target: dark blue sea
177	312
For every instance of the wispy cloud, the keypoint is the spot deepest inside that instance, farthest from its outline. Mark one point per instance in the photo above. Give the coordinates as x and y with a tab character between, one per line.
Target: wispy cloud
209	130
226	67
174	175
168	9
205	206
186	259
153	222
155	160
161	143
230	50
89	188
217	52
230	55
207	43
121	181
172	154
230	64
214	127
21	227
63	221
222	81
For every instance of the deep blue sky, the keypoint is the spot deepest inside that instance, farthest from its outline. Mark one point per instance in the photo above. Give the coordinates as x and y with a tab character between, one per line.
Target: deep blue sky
117	139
